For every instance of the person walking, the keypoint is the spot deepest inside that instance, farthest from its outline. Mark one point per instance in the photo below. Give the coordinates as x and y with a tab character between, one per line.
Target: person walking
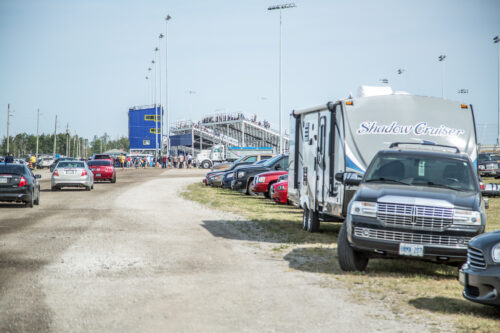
32	162
122	161
181	161
164	162
189	161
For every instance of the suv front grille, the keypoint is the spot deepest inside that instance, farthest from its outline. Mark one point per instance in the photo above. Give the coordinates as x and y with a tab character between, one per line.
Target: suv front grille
475	258
415	217
409	237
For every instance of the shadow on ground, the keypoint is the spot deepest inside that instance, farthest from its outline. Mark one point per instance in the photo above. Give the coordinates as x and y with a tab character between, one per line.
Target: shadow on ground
448	305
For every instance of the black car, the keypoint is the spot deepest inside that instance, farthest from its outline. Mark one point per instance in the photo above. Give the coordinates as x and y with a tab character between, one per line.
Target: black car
19	184
53	165
480	275
412	204
243	176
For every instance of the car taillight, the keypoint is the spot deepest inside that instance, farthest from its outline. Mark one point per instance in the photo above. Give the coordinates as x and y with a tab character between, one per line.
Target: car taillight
23	182
481	185
56	173
84	173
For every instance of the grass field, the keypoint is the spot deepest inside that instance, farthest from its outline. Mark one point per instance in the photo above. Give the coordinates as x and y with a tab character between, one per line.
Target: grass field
411	288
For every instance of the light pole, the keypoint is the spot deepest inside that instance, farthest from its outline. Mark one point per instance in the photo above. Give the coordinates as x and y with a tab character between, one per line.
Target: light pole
151	84
55	138
156	110
280	8
496	40
167	18
147	87
441	59
190	92
161	111
37	128
9	114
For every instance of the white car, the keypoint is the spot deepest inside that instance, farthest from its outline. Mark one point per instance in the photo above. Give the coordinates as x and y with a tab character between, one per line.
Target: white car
72	174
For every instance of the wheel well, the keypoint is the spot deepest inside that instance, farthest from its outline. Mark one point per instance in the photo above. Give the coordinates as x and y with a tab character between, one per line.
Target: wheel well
271	184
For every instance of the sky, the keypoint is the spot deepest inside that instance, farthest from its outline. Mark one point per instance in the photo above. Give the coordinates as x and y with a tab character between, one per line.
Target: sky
86	61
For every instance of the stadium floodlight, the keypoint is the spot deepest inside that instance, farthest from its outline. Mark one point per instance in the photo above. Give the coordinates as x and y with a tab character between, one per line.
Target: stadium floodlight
496	40
280	8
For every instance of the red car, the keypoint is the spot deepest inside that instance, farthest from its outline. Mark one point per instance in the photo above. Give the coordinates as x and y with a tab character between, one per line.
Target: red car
103	170
279	192
263	181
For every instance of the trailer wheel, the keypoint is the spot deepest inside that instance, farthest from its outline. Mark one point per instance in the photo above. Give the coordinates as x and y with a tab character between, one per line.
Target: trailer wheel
305	218
349	259
206	164
313	221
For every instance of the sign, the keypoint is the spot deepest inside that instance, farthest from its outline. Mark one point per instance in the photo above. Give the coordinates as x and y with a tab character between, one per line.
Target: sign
421	128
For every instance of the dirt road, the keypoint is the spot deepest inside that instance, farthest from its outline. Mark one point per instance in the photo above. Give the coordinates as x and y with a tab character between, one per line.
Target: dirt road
136	257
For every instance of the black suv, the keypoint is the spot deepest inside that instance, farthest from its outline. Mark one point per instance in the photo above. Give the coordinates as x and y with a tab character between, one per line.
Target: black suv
244	175
424	204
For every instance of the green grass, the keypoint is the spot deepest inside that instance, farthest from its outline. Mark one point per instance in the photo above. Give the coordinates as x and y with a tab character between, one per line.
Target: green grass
411	288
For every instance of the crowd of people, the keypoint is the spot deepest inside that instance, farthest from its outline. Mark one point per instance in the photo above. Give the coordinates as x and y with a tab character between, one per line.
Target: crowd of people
173	161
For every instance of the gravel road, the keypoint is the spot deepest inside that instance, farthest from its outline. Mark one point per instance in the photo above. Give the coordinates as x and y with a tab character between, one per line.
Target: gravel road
136	257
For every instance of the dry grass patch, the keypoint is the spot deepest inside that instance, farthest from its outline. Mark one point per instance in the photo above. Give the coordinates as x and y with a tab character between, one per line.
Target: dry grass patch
410	288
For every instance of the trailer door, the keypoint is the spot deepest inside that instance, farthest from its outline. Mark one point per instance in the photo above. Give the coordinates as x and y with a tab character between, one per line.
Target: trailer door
336	160
320	168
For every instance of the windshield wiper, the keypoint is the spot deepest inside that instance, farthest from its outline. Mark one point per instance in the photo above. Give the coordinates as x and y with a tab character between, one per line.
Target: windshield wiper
382	179
432	184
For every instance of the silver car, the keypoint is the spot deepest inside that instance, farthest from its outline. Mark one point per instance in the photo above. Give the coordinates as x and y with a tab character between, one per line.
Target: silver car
72	174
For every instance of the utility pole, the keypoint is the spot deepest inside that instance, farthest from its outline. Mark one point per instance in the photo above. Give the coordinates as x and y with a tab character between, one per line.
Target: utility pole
67	139
55	138
159	89
496	40
37	128
441	59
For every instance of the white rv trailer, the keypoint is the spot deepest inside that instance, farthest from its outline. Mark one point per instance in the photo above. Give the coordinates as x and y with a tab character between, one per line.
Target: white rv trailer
344	136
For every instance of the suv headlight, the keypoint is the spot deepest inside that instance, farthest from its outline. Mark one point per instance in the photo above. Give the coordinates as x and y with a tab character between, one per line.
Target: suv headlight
230	175
262	179
280	187
495	253
466	217
241	174
364	208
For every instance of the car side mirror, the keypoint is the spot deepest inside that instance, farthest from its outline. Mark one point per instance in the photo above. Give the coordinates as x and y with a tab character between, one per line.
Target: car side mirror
348	178
38	176
339	176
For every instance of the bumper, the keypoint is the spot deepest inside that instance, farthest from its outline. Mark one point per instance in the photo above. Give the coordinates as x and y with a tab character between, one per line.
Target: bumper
239	184
380	241
280	197
16	194
259	187
217	183
103	176
489	172
481	286
86	182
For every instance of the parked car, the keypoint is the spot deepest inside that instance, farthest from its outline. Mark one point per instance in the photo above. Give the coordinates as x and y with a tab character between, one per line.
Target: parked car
279	190
250	158
244	175
480	275
44	162
103	157
262	183
102	170
19	184
487	165
72	174
421	204
57	160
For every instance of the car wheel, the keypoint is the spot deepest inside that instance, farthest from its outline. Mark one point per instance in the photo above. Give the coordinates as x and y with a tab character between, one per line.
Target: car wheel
268	193
113	180
92	186
30	203
249	188
88	188
305	218
313	221
349	259
37	201
54	188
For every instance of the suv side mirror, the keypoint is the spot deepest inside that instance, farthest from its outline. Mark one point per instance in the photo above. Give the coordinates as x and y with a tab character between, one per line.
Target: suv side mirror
348	178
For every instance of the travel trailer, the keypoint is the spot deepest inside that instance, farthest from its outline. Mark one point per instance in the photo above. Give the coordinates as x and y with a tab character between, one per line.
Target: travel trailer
343	137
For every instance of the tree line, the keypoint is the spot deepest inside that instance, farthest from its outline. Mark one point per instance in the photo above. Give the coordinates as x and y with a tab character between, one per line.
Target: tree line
23	144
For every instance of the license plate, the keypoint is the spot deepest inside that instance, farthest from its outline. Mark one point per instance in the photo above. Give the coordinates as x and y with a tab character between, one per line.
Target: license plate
3	180
462	278
70	172
98	169
98	175
413	250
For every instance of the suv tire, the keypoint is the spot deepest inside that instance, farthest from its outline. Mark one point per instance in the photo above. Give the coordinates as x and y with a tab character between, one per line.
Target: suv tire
349	259
249	187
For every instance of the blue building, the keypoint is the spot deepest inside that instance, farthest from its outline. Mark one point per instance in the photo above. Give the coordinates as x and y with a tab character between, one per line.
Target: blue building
142	126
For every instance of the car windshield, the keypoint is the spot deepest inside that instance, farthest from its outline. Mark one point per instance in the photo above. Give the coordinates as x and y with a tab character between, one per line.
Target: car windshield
271	161
99	163
70	164
421	170
102	157
12	169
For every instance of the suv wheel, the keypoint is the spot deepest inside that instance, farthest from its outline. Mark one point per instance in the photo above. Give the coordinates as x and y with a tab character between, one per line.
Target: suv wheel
313	221
249	187
349	259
